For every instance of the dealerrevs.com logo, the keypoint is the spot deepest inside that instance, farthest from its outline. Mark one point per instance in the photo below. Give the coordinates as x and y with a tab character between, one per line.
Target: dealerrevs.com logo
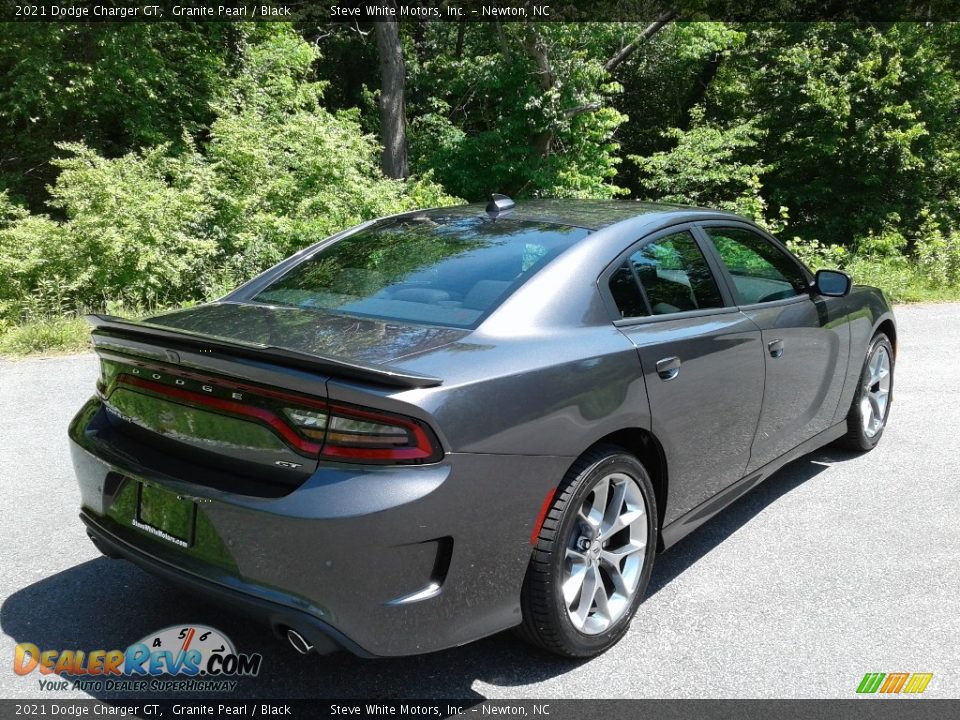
178	658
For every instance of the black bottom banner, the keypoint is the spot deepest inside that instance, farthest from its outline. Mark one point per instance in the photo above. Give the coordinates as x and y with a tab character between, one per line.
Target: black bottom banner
853	709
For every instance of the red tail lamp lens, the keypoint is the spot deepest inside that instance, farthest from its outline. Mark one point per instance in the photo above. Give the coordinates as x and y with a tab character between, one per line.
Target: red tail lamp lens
311	425
362	434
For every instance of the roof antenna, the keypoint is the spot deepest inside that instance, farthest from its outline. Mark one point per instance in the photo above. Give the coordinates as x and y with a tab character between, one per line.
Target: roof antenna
499	203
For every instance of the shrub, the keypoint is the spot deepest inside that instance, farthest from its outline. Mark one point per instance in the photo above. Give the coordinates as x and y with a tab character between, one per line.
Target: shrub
881	260
706	167
160	227
938	251
31	247
137	226
817	256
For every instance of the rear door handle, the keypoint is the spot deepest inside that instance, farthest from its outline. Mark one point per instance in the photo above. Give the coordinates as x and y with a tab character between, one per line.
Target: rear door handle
668	368
775	347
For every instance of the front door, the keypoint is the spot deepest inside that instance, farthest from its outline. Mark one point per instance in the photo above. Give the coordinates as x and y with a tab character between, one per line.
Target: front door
702	362
805	346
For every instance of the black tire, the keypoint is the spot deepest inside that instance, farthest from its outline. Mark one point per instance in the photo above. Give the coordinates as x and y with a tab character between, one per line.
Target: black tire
857	438
545	618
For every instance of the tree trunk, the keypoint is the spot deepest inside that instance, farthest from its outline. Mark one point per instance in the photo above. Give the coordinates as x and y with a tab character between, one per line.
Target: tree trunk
420	39
393	109
461	28
537	50
652	29
699	91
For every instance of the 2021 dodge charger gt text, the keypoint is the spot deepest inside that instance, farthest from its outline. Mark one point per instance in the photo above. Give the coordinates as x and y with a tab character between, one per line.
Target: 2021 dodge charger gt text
445	423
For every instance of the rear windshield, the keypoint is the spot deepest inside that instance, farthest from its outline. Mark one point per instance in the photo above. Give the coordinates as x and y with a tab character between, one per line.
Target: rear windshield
443	271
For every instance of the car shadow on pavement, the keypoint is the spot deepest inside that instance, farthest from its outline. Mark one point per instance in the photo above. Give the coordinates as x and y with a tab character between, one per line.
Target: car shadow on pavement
110	604
709	535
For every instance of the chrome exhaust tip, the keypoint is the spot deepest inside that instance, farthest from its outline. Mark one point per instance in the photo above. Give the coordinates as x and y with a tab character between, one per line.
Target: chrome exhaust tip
299	642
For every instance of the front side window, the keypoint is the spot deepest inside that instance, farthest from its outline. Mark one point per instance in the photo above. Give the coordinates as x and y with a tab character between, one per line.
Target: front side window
674	277
760	271
434	270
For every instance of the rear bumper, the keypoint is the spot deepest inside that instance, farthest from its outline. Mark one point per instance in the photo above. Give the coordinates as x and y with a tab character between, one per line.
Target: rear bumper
324	638
379	560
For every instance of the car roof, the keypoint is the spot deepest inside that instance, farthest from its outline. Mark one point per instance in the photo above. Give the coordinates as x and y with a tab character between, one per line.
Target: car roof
588	214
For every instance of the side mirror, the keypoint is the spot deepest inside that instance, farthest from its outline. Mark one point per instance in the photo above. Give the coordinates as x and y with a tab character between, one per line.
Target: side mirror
832	283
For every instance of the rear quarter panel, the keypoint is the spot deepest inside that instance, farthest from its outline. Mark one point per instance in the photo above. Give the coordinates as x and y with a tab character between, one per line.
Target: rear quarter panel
550	395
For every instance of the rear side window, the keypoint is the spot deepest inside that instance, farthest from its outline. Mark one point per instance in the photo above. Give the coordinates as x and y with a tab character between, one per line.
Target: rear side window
626	292
760	271
432	270
673	277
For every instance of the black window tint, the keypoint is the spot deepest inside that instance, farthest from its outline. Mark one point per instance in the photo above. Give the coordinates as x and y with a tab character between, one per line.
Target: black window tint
434	270
760	271
626	293
675	275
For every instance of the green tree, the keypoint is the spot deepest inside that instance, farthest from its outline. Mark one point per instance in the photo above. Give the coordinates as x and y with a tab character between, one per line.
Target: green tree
706	167
664	83
860	123
114	87
156	226
522	108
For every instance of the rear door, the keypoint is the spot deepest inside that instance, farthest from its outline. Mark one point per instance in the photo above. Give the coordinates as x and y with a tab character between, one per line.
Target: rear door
702	361
805	341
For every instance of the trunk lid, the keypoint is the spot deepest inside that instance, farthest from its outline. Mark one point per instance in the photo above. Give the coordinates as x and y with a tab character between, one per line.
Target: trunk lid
233	387
362	341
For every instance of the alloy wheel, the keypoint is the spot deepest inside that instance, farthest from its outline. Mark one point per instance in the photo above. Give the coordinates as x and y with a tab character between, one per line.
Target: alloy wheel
876	392
605	554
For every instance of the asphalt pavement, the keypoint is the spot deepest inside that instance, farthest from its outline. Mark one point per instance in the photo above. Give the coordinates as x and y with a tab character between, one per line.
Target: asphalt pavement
838	565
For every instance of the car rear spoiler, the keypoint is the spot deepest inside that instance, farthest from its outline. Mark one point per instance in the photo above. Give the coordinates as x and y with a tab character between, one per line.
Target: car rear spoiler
106	327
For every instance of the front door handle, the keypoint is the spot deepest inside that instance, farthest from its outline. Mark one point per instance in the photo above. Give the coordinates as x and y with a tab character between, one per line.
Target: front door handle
668	368
775	347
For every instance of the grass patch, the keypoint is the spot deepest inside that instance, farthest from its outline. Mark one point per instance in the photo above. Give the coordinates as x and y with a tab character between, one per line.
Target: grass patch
901	282
66	332
46	335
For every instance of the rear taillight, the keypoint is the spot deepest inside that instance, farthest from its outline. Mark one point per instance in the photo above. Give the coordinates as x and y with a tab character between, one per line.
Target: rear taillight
352	433
313	426
311	423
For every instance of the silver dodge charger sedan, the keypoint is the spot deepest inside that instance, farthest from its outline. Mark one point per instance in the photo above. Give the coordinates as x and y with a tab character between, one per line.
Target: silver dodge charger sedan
442	424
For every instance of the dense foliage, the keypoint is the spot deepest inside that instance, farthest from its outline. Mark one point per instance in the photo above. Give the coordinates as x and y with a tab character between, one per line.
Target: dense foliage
157	164
169	223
